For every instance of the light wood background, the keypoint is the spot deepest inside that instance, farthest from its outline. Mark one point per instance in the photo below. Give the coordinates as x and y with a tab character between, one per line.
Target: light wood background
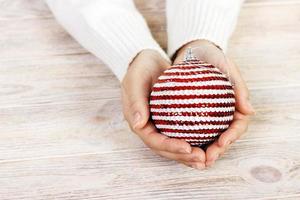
62	134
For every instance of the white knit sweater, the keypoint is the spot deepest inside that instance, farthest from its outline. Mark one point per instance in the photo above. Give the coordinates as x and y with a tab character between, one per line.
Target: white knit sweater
113	29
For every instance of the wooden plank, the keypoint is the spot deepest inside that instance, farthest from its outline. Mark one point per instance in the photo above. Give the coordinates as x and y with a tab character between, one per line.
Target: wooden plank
35	38
23	9
249	171
56	80
270	2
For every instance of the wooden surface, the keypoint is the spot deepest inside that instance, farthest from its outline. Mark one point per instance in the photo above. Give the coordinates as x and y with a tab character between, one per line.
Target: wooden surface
63	136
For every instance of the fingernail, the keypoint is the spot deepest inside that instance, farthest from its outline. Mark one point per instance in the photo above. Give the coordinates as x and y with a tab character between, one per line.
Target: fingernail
136	120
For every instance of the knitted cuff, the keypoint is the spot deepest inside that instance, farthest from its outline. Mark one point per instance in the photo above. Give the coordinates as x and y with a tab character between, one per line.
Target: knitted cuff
212	20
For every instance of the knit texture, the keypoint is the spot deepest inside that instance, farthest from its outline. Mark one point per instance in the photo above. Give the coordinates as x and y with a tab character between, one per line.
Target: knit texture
113	30
190	20
193	101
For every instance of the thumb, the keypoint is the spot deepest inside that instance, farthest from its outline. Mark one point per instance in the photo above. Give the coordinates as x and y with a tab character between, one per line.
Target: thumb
138	111
241	91
243	103
136	91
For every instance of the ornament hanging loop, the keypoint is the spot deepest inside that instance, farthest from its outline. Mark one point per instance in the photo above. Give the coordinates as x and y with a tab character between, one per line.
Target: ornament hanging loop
189	56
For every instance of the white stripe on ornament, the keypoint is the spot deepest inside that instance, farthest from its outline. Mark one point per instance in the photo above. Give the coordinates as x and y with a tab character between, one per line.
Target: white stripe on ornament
193	70
192	64
164	77
198	140
194	127
196	135
202	83
197	143
190	92
192	118
179	110
191	101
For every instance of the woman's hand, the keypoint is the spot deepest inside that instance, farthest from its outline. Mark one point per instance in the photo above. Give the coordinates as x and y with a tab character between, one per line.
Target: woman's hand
136	87
208	52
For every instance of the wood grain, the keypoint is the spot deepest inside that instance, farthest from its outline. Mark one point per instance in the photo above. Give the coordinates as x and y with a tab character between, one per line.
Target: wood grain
61	122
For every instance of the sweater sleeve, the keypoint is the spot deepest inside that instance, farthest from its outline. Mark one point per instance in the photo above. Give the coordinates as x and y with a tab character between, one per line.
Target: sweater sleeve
189	20
113	30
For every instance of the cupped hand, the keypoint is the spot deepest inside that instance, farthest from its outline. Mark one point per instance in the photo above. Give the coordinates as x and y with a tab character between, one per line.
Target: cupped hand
142	73
210	53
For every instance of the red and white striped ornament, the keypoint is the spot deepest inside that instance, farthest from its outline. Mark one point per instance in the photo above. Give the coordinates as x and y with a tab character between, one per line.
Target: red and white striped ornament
193	101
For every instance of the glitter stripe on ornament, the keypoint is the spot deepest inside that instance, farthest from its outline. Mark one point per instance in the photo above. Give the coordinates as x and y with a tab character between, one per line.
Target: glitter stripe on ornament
190	123
207	96
197	140
201	131
194	81
195	127
192	118
198	110
197	143
190	101
193	64
198	105
189	75
194	138
183	65
178	79
180	89
193	70
192	90
195	135
190	70
173	83
195	114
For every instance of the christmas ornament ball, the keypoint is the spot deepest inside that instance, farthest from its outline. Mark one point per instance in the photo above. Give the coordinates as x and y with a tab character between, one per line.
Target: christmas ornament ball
193	101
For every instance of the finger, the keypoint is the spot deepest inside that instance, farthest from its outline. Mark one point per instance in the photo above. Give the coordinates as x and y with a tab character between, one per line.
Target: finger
243	103
213	153
136	91
161	142
224	150
197	155
241	91
235	130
